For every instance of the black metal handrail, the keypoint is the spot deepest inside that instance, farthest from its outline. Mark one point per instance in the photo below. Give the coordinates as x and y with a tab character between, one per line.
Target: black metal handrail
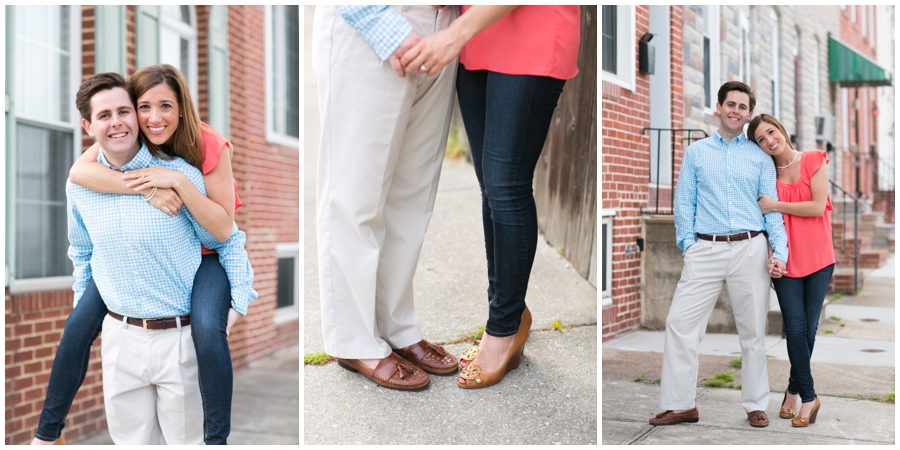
688	138
858	206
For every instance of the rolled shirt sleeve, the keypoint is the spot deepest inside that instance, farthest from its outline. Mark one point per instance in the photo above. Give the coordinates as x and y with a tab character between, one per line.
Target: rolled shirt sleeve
80	248
686	203
382	27
774	222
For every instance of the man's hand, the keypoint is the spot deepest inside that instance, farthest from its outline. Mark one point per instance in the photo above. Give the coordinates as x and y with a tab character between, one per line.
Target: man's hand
776	268
233	316
407	44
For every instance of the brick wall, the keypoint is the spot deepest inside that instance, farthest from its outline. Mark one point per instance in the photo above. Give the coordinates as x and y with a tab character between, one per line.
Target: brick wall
268	179
626	162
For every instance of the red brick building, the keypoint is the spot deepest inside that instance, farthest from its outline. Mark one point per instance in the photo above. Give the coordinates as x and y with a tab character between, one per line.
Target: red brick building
242	66
629	176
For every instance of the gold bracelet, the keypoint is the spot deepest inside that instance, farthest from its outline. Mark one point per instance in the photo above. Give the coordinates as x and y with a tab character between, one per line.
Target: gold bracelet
152	193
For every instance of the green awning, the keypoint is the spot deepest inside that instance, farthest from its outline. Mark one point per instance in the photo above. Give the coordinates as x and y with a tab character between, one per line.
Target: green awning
849	68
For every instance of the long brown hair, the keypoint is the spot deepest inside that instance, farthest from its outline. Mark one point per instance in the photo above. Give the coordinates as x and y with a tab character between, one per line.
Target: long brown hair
188	142
770	119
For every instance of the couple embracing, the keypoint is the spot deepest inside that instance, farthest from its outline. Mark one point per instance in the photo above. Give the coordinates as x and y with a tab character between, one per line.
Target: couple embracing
386	82
733	191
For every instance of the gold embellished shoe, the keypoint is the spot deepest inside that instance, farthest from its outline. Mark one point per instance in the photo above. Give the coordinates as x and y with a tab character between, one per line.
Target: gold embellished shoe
786	412
475	379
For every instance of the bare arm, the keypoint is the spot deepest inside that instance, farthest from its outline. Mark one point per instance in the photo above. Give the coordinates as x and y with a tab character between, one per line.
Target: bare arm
89	173
814	208
214	212
439	49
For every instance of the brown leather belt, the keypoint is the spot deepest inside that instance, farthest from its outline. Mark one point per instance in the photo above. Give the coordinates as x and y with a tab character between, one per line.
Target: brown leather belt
728	238
153	324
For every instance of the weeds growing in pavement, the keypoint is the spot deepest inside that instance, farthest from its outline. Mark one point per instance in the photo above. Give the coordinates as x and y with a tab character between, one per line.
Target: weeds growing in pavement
317	359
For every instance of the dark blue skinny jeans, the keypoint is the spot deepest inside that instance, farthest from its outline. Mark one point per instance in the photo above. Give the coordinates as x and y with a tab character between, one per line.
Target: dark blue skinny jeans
801	301
507	118
210	302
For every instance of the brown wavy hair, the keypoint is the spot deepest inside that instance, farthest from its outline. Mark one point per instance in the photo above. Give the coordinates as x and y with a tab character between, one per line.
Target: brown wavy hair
770	119
188	143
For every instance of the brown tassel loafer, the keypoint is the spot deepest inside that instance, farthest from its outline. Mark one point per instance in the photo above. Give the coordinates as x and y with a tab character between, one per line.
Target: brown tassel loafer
392	372
429	357
758	419
671	417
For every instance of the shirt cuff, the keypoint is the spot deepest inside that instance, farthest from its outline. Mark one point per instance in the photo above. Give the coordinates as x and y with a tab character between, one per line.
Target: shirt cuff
241	298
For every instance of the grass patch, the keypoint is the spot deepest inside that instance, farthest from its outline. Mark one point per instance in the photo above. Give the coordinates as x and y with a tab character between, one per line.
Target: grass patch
657	380
835	318
736	363
559	250
643	377
843	325
837	296
828	331
317	359
472	337
720	380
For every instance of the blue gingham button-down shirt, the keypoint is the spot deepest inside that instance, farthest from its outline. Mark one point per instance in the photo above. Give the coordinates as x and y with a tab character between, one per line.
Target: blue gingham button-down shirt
718	187
142	260
382	27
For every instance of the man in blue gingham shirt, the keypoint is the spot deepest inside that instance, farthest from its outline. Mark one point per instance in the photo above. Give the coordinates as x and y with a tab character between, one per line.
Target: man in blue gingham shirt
142	260
719	229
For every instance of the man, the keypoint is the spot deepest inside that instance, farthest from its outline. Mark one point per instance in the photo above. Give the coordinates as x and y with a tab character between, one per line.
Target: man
719	229
382	145
143	262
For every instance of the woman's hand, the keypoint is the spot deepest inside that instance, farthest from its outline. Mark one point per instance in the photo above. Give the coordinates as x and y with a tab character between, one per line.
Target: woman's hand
142	180
766	204
233	316
434	52
167	201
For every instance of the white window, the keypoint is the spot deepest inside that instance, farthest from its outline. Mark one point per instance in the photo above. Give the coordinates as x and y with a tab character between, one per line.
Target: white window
288	288
218	77
773	53
853	13
710	57
745	49
168	35
283	75
815	71
43	137
109	25
863	20
619	39
606	259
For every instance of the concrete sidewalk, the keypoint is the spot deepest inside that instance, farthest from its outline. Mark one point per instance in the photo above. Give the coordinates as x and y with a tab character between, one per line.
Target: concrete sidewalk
551	398
265	404
853	363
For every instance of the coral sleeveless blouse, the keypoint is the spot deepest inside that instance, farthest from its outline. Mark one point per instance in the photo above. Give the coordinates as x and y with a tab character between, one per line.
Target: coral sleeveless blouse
530	40
213	142
809	238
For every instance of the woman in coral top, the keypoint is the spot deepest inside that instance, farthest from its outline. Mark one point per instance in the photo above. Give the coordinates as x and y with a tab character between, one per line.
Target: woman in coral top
804	203
509	80
169	127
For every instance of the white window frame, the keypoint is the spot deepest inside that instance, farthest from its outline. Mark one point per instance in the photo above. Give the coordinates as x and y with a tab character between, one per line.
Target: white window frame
272	135
291	312
864	21
188	32
607	216
625	49
218	101
776	62
17	286
711	29
109	33
816	101
745	48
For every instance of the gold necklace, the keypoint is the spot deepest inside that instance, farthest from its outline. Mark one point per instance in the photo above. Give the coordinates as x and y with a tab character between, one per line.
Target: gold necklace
796	154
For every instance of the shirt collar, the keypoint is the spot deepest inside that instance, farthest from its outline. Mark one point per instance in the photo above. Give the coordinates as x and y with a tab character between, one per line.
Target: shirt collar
141	160
737	139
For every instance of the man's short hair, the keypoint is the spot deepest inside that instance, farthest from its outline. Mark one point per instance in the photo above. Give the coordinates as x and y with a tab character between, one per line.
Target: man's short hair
736	86
98	83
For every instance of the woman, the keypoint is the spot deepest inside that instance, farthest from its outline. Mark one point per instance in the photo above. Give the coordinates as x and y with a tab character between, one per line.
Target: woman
509	80
169	127
804	202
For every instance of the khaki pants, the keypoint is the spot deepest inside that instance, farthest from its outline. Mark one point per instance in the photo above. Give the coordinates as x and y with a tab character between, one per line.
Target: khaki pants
150	386
382	144
708	265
